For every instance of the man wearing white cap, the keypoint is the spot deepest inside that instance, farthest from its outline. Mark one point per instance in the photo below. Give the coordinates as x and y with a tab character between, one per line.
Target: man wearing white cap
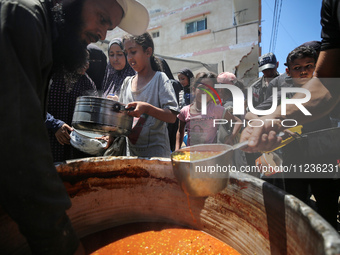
38	37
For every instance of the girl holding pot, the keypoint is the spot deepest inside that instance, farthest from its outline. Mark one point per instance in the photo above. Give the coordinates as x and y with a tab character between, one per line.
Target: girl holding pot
151	94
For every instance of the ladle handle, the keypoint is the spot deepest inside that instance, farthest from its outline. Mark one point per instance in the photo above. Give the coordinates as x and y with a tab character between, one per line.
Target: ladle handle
119	107
240	145
130	109
245	143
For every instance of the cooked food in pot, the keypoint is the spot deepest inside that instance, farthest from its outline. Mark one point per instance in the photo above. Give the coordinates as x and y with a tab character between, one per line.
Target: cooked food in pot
194	155
156	238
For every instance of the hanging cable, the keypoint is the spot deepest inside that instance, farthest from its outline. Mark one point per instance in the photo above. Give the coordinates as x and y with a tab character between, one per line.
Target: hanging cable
275	25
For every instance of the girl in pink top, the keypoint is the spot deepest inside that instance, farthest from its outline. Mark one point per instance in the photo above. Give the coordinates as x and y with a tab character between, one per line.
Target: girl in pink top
200	127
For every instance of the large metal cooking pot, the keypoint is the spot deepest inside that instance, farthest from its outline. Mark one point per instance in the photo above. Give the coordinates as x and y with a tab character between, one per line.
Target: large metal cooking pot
250	215
102	116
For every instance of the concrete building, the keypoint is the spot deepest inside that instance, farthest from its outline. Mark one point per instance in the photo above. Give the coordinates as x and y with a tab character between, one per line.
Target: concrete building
218	35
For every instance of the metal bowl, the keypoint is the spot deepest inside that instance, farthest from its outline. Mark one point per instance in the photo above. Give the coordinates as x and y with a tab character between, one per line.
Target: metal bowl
206	176
102	116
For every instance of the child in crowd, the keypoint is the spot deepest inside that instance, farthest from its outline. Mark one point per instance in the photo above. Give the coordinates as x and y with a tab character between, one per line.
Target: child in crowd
184	77
151	93
200	127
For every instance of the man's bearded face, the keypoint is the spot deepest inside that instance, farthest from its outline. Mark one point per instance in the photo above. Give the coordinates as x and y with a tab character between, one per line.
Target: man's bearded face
69	51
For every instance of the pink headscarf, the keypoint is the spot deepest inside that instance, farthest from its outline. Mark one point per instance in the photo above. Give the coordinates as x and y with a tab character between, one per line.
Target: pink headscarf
226	78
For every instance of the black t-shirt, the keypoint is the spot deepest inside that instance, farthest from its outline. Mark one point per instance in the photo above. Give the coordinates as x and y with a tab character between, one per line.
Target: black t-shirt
330	22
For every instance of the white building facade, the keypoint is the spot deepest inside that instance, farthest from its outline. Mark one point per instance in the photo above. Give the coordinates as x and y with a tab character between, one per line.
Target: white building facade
218	35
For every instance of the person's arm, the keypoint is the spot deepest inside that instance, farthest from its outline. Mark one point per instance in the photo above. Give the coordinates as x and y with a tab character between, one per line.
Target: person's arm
60	129
53	123
63	135
168	106
268	103
180	135
324	88
165	115
250	116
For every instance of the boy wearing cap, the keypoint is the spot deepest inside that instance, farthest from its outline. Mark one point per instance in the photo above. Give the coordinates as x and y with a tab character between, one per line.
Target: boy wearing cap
268	66
36	36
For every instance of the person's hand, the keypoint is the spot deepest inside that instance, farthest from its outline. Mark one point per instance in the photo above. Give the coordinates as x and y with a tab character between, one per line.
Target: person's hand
104	137
140	108
115	97
250	116
261	138
63	135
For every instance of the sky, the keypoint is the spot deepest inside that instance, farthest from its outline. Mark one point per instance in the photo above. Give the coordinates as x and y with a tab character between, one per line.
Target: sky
299	22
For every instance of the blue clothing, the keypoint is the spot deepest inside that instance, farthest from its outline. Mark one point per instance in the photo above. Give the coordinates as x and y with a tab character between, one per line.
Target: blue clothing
53	123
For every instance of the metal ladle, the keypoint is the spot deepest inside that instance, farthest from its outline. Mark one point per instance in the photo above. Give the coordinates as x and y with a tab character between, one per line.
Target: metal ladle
207	176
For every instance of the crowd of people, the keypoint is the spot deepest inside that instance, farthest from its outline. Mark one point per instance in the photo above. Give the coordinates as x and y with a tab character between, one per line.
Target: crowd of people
168	113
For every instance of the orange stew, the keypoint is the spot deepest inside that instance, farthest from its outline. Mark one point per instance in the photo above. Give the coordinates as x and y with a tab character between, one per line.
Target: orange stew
154	238
194	155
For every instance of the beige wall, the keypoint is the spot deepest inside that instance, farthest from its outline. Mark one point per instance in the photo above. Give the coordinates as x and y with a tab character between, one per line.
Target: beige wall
234	47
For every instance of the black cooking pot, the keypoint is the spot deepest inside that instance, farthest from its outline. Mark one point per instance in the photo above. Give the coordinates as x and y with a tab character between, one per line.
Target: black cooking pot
102	116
